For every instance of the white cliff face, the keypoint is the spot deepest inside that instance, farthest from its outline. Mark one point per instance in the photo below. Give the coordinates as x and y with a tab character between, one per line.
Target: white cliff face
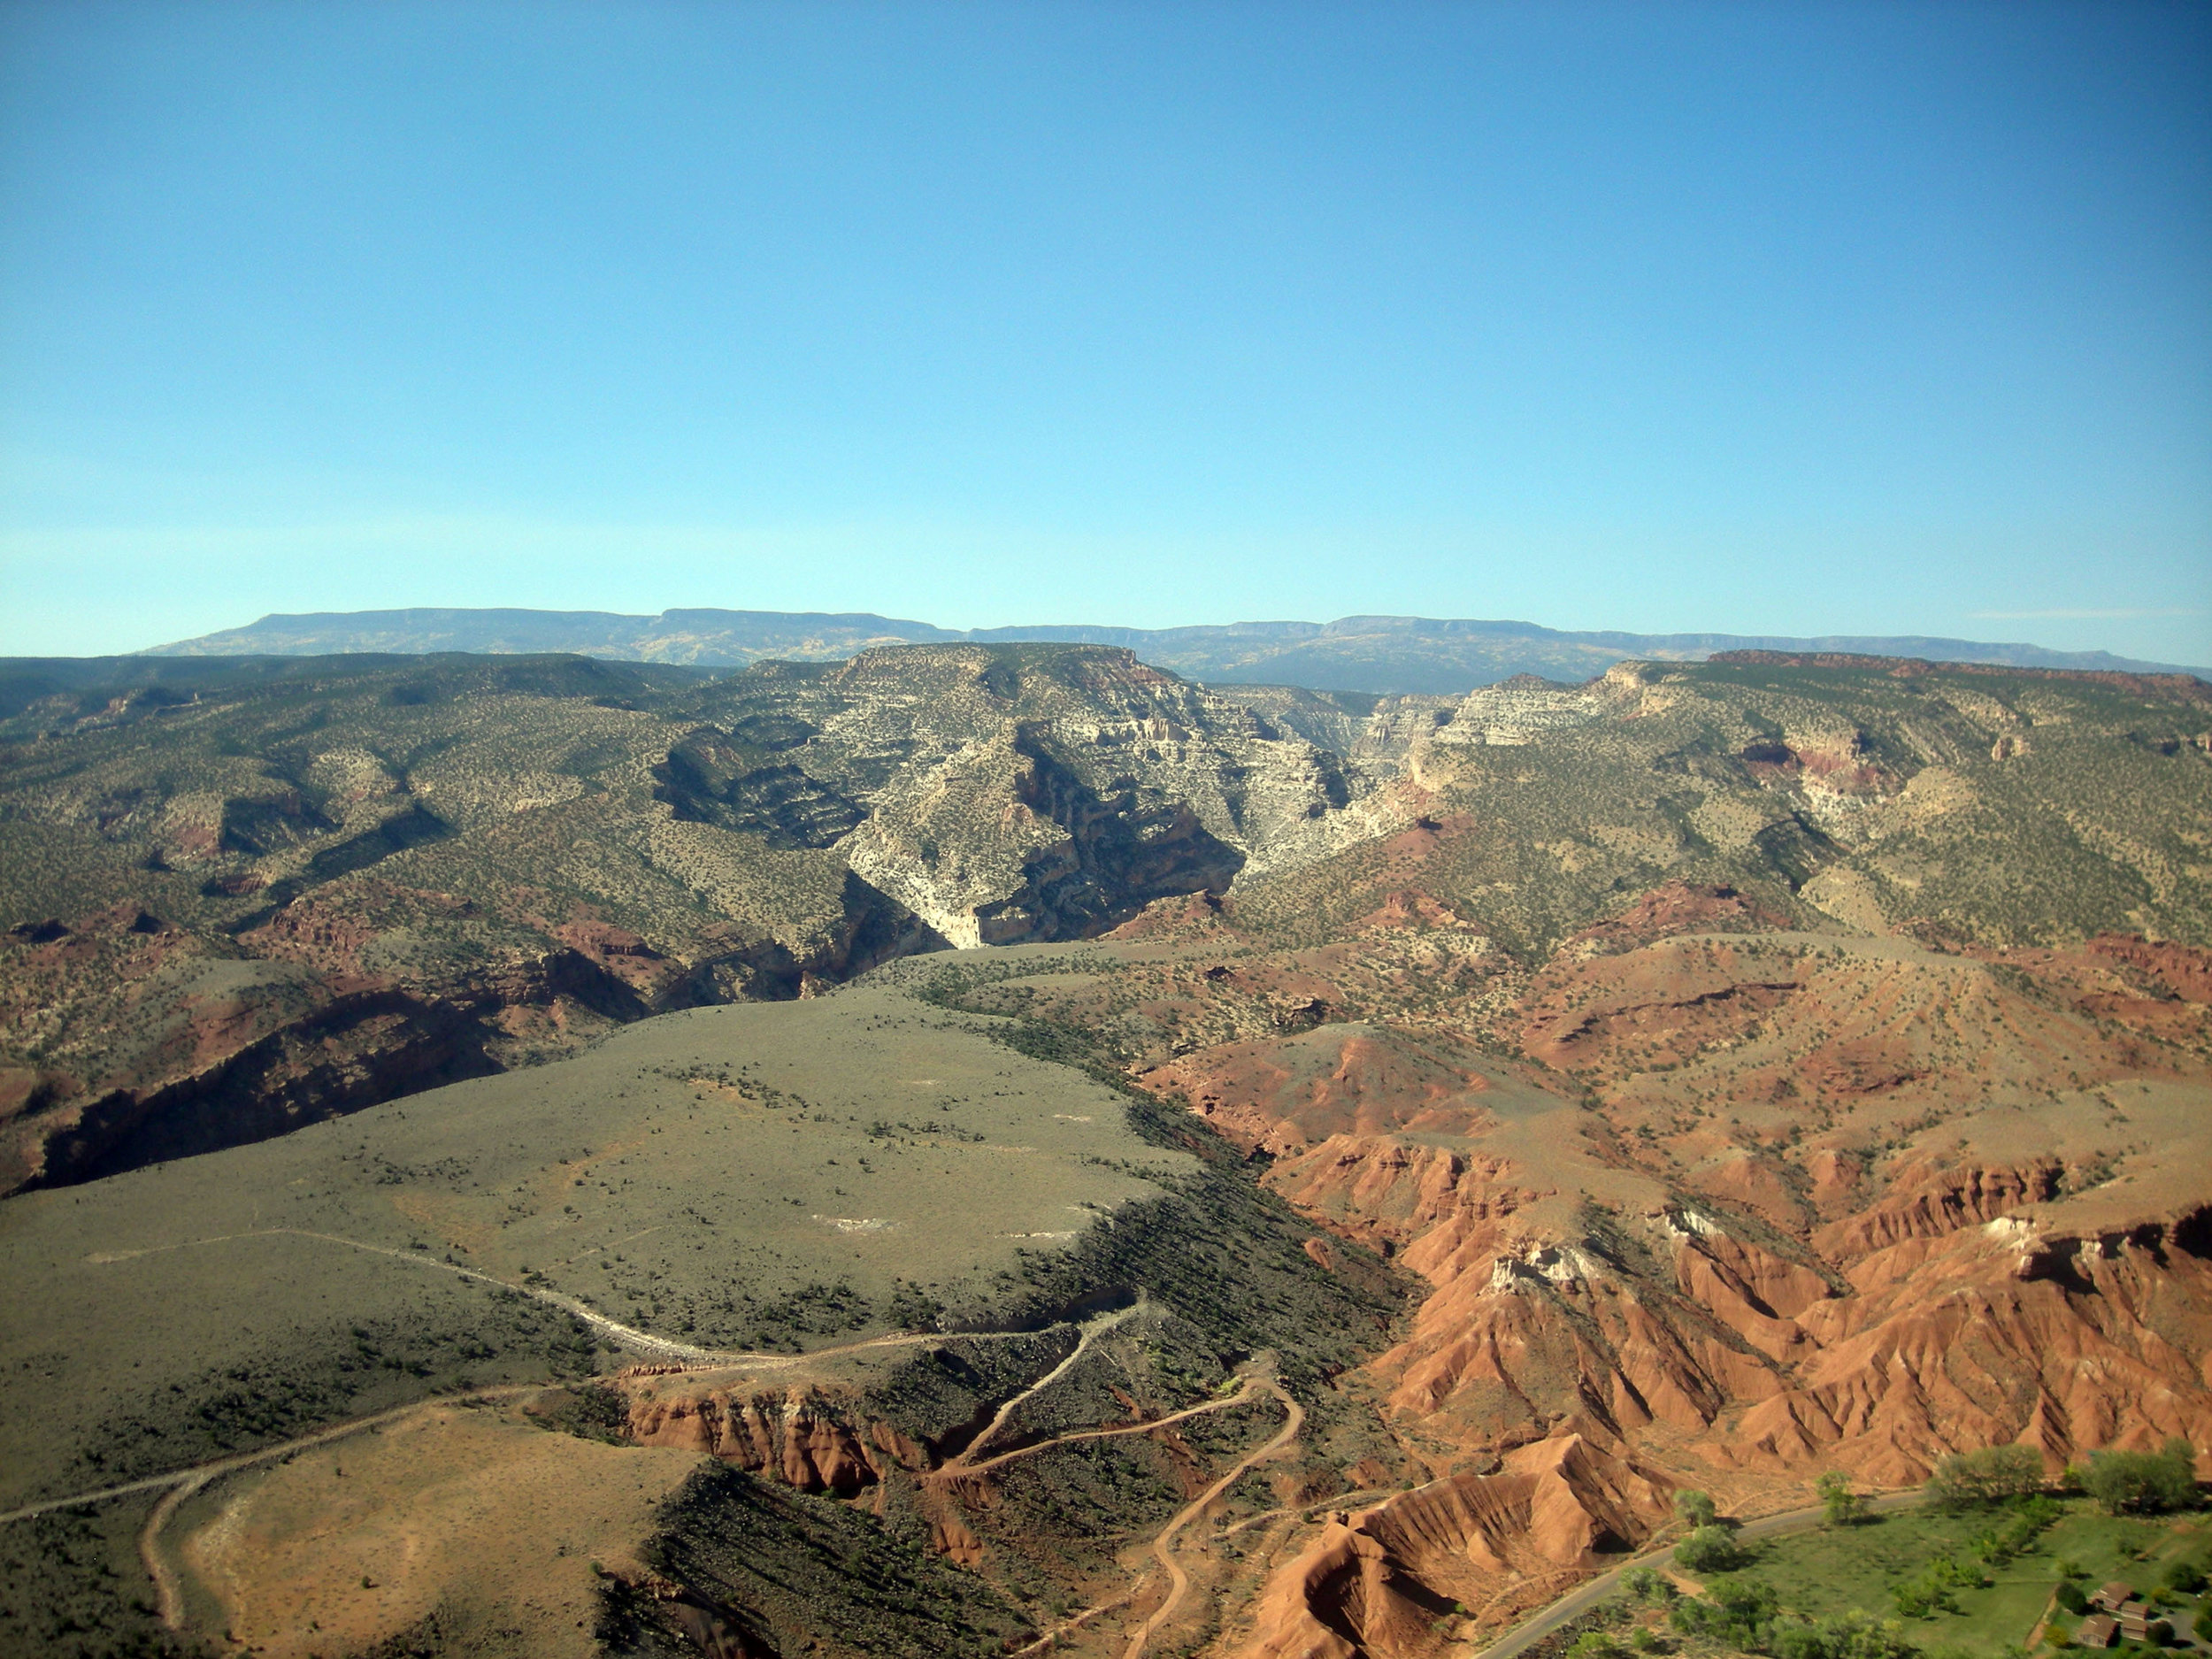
957	839
1000	797
1511	714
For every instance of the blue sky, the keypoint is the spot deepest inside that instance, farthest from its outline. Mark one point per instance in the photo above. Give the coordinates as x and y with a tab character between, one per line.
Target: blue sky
1766	319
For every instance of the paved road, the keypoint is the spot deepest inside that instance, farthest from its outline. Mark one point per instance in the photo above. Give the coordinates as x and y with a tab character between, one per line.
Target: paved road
1584	1597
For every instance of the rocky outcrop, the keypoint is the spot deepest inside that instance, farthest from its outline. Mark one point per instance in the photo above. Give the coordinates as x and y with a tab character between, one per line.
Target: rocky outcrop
1383	1581
361	1043
2008	1330
1930	1203
1006	841
798	1436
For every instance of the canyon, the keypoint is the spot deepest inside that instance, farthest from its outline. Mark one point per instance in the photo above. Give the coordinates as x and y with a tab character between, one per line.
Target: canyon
1137	1164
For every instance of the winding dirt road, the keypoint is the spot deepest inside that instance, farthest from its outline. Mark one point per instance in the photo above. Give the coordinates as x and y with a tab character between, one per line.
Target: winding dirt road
199	1474
960	1466
179	1485
1092	1330
1163	1551
168	1593
628	1335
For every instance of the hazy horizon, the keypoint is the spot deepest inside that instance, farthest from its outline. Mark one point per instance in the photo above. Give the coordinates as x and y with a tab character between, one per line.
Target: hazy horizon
1768	320
1721	638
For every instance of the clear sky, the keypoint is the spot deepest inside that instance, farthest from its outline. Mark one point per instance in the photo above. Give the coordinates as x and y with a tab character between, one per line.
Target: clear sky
1784	318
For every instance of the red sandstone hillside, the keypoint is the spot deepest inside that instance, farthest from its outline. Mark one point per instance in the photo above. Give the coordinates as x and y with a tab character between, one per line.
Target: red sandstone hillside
1827	1202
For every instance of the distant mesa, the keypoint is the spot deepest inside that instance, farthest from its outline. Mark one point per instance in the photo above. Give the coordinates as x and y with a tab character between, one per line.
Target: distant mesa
1385	656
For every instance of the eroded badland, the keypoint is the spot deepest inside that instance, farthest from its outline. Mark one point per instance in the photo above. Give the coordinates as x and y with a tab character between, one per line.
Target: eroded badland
992	1150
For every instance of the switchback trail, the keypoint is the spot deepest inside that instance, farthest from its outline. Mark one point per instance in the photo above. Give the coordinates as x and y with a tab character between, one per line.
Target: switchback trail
960	1466
692	1358
1179	1581
1090	1332
181	1485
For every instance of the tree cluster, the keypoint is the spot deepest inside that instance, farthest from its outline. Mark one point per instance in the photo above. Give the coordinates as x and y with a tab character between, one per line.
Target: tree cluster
2142	1483
1996	1474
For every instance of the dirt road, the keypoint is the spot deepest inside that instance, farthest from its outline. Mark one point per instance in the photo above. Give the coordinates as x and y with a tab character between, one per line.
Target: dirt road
961	1466
179	1485
1092	1330
1162	1550
702	1358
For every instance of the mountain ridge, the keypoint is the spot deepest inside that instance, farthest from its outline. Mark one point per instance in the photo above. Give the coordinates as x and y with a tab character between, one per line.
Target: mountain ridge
1385	656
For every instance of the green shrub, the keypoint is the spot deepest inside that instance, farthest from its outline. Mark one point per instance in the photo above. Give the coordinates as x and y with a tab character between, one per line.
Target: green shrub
1934	1588
1853	1636
1741	1613
2188	1576
1709	1549
1696	1508
1843	1505
2071	1598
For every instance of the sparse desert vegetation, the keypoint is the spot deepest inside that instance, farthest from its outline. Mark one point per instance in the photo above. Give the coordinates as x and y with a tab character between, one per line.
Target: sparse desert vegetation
1370	1158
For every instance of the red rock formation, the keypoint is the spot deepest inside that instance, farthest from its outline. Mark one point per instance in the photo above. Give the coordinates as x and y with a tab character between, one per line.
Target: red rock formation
1374	1582
1282	1095
797	1436
1676	907
1993	1333
1919	1246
